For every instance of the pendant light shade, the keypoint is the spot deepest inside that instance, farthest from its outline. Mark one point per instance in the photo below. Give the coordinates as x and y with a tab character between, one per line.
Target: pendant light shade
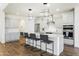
47	14
30	9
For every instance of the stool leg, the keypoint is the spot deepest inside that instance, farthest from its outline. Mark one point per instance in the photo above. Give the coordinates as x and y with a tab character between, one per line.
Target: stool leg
52	48
40	48
40	44
46	47
35	43
29	41
35	46
27	45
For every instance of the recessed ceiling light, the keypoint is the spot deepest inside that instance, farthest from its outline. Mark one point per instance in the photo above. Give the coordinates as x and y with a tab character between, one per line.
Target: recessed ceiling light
57	9
46	4
30	9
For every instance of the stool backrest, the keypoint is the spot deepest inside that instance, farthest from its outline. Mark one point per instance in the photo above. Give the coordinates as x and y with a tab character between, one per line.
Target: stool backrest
44	37
32	35
26	34
21	33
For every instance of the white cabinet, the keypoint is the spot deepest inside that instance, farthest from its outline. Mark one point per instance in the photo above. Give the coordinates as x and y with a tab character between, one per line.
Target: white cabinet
58	20
2	27
12	36
12	21
65	18
11	28
68	18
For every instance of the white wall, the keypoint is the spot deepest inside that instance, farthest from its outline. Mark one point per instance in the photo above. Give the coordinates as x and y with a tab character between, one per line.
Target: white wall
2	27
76	27
26	25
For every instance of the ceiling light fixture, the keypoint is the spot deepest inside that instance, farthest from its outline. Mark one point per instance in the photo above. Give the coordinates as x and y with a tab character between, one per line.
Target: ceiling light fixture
30	10
47	13
44	3
30	14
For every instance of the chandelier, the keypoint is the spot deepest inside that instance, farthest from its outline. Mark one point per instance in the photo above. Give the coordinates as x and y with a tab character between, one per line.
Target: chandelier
46	13
30	14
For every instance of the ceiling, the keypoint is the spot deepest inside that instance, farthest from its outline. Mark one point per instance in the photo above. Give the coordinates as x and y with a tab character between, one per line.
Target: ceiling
22	8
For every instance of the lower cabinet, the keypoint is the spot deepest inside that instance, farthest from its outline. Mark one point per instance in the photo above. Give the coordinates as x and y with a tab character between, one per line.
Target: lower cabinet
14	36
69	41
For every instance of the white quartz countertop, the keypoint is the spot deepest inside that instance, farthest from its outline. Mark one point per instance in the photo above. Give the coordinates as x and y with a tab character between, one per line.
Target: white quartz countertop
55	34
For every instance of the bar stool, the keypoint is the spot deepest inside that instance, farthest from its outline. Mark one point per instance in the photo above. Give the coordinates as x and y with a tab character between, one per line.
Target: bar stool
44	38
28	37
33	37
21	33
36	40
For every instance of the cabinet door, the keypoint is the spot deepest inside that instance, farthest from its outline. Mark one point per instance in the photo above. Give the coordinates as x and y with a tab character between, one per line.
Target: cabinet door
58	20
12	29
12	36
11	23
68	18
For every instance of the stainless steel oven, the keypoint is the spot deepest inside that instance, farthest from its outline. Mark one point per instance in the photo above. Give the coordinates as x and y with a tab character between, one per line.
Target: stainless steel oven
68	31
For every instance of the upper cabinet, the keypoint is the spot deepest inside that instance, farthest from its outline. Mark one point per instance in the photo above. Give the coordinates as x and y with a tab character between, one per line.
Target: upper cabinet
68	18
58	20
11	21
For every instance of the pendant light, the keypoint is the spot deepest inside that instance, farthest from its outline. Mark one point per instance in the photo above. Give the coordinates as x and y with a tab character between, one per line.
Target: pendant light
30	14
46	5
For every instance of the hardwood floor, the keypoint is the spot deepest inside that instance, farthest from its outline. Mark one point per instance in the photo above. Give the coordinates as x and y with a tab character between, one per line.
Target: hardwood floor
15	49
70	51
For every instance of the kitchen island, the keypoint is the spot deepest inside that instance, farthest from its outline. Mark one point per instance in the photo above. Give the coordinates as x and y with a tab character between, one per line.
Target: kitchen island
57	41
